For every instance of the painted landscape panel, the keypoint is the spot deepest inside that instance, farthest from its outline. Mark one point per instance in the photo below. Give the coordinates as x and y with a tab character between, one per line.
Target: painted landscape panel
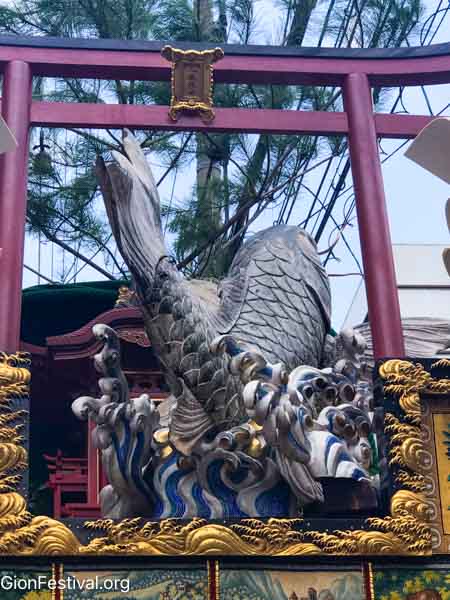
291	585
149	584
411	584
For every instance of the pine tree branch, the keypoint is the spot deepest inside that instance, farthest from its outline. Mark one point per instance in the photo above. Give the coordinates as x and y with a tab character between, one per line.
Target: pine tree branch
64	246
237	215
86	233
175	159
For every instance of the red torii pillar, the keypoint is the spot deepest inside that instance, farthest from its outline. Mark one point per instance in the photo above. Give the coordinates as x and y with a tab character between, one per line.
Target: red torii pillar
373	223
16	104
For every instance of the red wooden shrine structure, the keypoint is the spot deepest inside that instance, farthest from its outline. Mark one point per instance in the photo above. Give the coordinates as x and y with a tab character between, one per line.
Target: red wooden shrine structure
356	71
62	370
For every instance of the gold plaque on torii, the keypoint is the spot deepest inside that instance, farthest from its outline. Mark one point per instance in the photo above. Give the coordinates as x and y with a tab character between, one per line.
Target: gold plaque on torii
192	80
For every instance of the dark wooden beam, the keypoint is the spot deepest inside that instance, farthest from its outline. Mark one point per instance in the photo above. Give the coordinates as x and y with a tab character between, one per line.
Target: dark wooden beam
121	45
112	59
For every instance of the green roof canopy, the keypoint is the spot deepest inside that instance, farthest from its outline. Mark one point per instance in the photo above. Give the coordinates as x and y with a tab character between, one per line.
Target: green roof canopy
49	310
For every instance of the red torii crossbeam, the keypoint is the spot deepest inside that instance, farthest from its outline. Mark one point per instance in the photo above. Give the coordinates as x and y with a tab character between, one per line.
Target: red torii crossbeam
356	71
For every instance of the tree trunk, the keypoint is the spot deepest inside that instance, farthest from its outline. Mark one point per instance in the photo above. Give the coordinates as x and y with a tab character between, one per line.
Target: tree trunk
209	173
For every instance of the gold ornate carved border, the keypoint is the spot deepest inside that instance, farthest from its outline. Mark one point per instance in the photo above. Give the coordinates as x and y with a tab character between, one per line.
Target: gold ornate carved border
436	419
412	455
405	531
20	533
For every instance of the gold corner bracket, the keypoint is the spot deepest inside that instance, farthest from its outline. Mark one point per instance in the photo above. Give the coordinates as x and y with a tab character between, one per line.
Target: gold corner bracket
192	81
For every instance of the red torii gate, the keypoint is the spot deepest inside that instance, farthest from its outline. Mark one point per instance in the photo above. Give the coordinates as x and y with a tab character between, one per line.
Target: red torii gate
356	71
